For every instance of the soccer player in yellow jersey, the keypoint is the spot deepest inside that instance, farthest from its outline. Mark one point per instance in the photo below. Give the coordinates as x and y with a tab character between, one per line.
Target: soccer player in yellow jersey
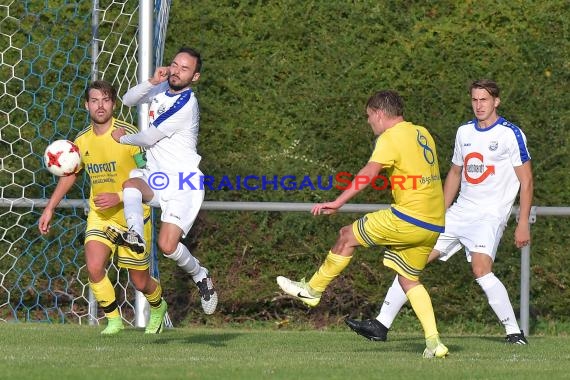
476	220
108	165
408	229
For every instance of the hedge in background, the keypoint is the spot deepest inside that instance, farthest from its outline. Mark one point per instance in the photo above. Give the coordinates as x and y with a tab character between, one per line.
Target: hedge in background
282	92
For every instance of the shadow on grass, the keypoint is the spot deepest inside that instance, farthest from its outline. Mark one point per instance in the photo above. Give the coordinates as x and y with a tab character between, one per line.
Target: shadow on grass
404	344
209	339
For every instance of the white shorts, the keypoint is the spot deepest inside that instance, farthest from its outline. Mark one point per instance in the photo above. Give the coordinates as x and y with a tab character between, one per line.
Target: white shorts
477	233
179	201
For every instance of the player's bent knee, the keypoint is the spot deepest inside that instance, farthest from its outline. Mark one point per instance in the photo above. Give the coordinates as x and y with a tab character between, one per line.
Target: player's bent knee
136	183
96	271
346	237
345	234
479	272
167	248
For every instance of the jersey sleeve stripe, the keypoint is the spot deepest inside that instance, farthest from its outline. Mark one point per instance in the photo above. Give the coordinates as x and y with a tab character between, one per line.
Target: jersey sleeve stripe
178	104
523	150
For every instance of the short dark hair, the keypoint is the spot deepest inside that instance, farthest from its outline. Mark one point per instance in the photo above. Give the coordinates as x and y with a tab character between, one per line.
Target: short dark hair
388	101
192	53
105	87
486	84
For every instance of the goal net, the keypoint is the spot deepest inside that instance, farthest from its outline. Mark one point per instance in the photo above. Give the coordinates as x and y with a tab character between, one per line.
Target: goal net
49	52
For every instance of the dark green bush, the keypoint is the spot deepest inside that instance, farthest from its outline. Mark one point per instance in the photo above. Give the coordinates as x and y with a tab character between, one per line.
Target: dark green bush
282	92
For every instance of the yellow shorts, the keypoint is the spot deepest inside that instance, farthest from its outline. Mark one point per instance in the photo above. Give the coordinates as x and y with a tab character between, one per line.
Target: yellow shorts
128	259
407	245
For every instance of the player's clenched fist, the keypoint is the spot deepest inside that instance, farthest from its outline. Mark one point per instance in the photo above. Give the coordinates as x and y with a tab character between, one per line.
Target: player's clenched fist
160	75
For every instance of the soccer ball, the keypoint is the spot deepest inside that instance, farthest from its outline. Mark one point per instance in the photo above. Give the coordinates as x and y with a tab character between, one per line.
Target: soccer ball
62	158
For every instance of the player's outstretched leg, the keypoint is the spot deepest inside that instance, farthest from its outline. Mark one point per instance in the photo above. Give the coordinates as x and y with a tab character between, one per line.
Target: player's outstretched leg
369	328
208	295
300	290
156	320
126	238
114	326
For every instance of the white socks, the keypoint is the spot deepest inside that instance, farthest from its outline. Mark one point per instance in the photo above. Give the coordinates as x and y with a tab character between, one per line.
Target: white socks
395	299
497	297
132	200
499	300
188	263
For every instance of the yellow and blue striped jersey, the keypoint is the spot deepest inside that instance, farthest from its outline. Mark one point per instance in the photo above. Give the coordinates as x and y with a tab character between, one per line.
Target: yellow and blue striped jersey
408	154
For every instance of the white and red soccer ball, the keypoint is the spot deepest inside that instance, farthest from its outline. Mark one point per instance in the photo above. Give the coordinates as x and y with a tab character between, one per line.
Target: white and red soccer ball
62	158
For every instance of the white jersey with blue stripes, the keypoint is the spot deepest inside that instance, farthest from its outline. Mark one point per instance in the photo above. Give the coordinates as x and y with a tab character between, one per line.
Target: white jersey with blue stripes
177	116
489	184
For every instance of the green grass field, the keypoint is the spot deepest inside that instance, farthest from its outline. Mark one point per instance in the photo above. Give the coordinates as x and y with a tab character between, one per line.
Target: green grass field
51	351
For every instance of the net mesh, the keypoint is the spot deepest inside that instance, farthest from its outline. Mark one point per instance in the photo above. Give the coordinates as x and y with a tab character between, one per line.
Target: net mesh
46	63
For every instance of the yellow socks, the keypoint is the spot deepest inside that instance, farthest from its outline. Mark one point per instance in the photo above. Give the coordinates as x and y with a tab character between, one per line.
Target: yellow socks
155	298
105	295
329	270
421	303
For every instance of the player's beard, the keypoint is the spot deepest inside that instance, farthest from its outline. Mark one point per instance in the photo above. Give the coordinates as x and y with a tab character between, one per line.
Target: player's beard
180	86
101	119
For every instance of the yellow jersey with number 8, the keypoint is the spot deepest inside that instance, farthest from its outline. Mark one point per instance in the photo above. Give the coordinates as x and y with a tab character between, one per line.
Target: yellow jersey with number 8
409	155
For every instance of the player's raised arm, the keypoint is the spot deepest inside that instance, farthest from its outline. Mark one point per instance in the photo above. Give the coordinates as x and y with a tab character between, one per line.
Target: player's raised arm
160	75
145	91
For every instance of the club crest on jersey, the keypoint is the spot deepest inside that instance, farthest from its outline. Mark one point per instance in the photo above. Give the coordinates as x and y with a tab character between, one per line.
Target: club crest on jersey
161	109
493	146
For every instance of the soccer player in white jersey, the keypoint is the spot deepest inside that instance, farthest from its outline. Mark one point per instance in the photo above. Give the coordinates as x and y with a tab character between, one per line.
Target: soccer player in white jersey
490	163
171	179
